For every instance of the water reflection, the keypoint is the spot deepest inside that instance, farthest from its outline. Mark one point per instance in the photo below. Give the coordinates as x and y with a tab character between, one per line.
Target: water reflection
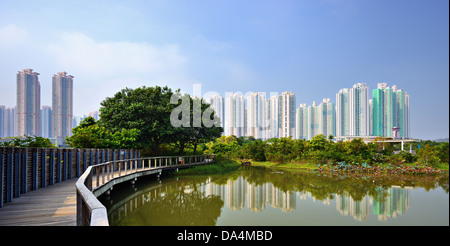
202	200
392	202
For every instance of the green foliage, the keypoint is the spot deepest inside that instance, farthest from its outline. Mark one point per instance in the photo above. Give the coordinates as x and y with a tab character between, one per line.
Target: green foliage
280	150
90	135
443	152
146	109
194	134
322	150
428	156
144	114
254	150
28	142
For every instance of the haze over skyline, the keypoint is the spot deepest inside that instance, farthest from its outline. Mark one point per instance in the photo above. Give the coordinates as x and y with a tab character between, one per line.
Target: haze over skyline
312	48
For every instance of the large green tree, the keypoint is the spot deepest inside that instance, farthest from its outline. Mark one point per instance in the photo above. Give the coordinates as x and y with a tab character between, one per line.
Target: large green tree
145	108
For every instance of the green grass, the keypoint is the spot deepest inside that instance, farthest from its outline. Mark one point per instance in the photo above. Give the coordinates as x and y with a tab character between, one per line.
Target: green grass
292	165
217	167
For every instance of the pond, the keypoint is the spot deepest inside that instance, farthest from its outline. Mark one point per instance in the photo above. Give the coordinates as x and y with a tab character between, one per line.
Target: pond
257	196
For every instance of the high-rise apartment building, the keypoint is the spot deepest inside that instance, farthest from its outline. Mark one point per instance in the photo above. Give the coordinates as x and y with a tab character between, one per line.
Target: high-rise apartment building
343	112
9	121
234	114
46	122
216	102
62	106
286	112
313	120
272	116
327	118
402	119
256	115
28	103
316	119
359	110
352	111
301	122
390	110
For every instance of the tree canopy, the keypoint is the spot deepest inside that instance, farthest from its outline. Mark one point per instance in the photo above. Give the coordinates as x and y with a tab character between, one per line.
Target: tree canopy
141	119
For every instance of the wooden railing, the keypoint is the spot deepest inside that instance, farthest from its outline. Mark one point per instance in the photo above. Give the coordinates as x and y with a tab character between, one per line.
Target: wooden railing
26	169
101	177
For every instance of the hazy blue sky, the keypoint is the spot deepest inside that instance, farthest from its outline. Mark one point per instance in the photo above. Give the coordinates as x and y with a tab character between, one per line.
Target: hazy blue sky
310	47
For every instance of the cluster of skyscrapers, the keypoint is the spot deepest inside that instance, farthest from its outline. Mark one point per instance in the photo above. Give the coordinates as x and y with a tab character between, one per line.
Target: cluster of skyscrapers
28	118
353	114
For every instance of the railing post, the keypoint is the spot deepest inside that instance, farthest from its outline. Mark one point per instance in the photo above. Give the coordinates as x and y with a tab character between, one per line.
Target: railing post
34	184
43	168
120	170
16	174
69	163
98	175
102	168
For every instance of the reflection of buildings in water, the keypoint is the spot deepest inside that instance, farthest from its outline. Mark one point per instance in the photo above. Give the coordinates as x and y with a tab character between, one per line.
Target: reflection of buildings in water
390	203
395	203
346	205
260	195
238	192
235	194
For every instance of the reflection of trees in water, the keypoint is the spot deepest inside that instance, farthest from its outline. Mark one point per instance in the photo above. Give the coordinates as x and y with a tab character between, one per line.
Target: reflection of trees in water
174	206
183	202
179	208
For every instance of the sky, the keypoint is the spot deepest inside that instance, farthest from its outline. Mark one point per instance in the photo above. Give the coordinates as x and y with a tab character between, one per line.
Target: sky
312	48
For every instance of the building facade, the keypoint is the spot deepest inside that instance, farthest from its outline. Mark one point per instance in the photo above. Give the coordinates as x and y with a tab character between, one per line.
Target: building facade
352	111
301	122
359	110
62	106
216	102
286	113
46	122
256	115
234	115
28	103
390	111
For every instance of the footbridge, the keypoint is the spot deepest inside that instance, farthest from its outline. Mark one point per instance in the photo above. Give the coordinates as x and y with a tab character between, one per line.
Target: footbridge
100	178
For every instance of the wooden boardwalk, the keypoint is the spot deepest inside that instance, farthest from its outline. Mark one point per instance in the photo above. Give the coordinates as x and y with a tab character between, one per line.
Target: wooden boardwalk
54	205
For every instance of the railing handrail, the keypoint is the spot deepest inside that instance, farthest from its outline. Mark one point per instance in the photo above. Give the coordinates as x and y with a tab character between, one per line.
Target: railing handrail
96	211
147	158
90	211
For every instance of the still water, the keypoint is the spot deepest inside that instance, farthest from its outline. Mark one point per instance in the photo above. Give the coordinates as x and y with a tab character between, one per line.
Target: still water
272	197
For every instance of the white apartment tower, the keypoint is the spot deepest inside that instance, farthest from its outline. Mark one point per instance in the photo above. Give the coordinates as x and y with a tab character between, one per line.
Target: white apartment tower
352	111
301	122
256	115
234	114
286	112
216	102
327	118
272	116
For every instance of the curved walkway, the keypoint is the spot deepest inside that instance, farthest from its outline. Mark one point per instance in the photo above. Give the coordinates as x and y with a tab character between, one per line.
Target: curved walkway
55	205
